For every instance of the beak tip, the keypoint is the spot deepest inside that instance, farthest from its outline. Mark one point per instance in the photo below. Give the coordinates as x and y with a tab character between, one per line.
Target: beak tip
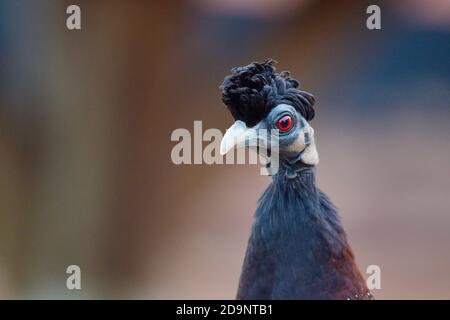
223	149
235	136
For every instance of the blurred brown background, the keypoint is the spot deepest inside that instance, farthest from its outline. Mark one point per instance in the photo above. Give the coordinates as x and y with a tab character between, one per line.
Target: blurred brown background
86	118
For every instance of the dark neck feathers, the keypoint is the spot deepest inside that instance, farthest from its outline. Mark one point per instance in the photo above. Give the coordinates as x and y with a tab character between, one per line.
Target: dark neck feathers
297	248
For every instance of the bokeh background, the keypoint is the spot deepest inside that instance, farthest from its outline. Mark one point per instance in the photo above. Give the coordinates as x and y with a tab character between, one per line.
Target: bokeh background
86	117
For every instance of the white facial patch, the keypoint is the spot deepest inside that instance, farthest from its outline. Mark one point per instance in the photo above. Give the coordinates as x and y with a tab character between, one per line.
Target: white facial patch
305	142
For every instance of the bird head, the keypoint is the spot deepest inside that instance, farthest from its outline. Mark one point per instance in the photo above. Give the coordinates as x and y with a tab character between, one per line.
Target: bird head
261	100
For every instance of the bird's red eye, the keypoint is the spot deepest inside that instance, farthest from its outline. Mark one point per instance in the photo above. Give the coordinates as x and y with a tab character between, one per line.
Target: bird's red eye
284	123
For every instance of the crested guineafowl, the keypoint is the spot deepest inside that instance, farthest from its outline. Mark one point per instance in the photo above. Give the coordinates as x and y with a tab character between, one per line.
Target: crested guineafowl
297	247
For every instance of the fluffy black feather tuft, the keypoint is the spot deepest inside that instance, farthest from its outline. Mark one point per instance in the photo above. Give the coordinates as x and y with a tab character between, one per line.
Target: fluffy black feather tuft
250	92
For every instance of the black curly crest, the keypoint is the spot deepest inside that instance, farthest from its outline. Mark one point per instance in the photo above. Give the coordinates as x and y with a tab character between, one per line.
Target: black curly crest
250	92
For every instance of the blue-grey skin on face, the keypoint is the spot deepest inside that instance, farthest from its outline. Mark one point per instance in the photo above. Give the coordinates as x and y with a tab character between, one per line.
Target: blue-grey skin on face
295	143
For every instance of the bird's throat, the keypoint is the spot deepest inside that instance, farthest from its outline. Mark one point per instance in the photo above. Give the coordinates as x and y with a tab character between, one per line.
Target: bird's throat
298	248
